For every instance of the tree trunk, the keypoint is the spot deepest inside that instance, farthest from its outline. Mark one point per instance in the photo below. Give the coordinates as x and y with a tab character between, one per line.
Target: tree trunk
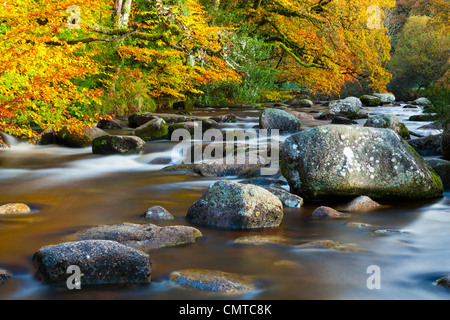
122	10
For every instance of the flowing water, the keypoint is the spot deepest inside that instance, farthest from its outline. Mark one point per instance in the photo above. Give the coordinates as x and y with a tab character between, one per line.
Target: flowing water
72	189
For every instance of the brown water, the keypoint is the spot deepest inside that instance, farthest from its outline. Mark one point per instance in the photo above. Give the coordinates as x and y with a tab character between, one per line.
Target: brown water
72	189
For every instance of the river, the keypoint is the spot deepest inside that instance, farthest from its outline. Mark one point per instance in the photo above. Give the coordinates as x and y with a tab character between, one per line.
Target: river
72	189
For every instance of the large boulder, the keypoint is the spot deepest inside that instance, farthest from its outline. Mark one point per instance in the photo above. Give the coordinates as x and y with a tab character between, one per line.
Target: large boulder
389	121
279	119
101	263
385	98
335	161
231	205
84	139
155	129
117	145
370	101
349	107
143	237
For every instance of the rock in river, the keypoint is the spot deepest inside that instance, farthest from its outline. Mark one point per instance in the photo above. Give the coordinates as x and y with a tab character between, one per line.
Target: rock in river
155	129
158	213
4	276
442	168
324	211
231	205
143	237
335	161
101	262
389	121
361	203
213	280
279	119
117	145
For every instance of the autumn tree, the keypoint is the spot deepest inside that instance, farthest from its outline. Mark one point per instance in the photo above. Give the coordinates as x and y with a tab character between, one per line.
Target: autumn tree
320	44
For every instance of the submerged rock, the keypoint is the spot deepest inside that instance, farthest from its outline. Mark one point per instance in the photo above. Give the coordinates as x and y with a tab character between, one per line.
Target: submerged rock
361	203
279	119
213	280
101	262
158	213
257	239
14	208
330	245
232	205
389	121
117	145
143	237
325	211
336	161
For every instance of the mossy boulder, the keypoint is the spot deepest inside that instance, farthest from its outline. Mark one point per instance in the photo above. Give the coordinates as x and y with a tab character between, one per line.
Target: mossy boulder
138	119
370	101
336	161
117	145
424	102
231	205
72	140
279	119
156	129
389	121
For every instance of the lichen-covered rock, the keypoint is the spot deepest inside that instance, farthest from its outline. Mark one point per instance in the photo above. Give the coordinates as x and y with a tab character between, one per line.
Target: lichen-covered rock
288	199
155	129
213	281
158	213
68	139
101	263
386	98
442	168
427	146
389	121
231	205
348	108
143	237
14	208
335	161
361	203
279	119
4	276
117	145
370	101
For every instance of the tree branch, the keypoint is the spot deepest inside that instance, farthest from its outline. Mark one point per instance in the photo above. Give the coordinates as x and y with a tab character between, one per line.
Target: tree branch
88	40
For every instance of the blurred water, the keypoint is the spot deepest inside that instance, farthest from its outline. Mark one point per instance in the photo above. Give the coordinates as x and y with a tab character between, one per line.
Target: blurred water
72	189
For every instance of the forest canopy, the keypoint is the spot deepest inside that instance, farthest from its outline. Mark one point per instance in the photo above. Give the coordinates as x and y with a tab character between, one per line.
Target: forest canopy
69	63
